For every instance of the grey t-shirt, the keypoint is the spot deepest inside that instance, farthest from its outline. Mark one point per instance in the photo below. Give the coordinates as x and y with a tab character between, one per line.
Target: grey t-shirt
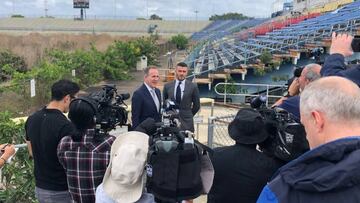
102	197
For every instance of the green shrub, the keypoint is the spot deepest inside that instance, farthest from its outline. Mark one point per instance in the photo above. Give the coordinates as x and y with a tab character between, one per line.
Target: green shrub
180	41
9	64
17	176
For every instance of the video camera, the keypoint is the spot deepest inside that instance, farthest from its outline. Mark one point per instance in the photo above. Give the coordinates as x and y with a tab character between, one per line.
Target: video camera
110	108
287	136
168	134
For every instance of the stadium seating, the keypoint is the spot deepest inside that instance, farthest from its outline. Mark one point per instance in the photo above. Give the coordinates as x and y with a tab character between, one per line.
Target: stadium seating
276	37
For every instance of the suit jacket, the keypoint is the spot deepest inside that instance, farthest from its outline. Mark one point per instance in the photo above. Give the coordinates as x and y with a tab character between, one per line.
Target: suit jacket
189	105
143	106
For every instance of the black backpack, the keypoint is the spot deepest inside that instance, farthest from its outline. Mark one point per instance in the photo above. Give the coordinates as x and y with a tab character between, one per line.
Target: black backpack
173	168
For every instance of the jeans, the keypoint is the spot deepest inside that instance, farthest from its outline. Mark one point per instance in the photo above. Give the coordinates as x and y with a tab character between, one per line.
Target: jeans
50	196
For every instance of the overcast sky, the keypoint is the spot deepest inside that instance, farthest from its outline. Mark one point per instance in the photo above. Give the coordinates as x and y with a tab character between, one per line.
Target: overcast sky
170	9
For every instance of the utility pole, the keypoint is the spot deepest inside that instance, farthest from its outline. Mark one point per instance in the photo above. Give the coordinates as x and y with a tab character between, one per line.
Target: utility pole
115	8
45	8
13	7
147	9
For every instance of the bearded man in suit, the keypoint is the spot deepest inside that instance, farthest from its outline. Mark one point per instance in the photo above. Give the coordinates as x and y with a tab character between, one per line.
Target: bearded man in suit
185	94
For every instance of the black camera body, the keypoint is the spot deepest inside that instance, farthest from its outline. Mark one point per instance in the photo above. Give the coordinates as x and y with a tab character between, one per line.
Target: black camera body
355	44
110	108
168	135
287	136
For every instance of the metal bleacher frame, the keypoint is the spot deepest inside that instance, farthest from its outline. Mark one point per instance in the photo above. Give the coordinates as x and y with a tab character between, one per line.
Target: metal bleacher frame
232	51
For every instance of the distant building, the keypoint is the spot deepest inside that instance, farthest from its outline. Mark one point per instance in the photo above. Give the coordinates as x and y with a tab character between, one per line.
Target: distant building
304	5
281	7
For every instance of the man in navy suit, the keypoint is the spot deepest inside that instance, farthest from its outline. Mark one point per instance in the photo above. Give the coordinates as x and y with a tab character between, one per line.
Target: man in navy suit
146	100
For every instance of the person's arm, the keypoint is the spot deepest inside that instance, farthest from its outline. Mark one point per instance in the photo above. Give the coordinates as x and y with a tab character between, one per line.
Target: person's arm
293	90
28	143
195	100
29	149
7	151
340	47
135	109
165	95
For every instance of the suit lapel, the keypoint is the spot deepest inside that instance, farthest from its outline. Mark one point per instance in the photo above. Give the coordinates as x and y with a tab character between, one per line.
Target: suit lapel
172	90
149	95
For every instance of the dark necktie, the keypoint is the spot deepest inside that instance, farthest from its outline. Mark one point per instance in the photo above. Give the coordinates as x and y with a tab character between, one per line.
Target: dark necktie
178	93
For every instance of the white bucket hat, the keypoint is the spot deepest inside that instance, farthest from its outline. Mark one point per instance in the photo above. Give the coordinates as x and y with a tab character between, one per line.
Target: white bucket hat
124	177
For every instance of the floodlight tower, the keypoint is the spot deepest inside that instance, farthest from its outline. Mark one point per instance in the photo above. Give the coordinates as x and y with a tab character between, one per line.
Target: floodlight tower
46	8
196	15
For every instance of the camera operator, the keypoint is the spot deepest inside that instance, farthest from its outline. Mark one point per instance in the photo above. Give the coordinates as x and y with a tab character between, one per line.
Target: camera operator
293	86
44	129
7	151
341	46
310	73
84	154
241	171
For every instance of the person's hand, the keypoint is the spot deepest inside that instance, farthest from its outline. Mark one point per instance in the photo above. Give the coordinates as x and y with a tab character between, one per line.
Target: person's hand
294	88
341	44
279	102
7	151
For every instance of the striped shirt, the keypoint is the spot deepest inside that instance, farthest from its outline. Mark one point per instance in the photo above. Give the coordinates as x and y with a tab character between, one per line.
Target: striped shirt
85	164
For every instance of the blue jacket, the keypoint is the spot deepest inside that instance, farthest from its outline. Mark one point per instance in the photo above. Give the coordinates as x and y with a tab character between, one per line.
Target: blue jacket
292	105
329	173
334	66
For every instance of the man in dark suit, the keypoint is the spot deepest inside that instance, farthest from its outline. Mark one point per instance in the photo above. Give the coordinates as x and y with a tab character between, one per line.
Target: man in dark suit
146	100
186	96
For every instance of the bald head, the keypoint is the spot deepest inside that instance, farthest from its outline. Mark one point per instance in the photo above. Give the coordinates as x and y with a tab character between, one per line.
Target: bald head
330	109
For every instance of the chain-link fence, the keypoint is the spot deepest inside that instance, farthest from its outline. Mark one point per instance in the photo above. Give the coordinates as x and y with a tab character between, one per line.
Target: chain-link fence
218	131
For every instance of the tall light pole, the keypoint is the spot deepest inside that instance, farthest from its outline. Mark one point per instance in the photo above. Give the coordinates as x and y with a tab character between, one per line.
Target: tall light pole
115	8
13	7
45	8
196	15
147	9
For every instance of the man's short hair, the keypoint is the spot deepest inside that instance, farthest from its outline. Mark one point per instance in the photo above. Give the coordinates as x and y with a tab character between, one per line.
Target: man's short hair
330	98
312	73
147	69
182	64
62	88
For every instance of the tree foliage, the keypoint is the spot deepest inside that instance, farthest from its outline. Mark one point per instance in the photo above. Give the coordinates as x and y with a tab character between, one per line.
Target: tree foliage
90	66
180	41
266	57
9	64
230	16
155	17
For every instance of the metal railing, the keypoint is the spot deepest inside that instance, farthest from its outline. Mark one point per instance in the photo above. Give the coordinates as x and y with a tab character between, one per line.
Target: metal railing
270	91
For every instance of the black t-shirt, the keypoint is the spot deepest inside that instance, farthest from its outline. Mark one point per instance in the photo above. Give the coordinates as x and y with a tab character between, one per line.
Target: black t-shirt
44	129
241	172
